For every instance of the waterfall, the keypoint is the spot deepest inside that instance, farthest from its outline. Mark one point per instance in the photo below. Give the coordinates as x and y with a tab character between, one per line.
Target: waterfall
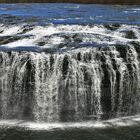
83	84
69	72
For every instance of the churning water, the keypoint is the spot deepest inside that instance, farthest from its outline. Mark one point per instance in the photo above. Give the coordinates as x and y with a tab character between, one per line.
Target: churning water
69	63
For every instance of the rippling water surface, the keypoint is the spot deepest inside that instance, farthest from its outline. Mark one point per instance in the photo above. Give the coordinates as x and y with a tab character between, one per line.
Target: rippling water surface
73	13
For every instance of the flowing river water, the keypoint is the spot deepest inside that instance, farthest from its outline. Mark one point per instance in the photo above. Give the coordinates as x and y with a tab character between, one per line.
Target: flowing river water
69	69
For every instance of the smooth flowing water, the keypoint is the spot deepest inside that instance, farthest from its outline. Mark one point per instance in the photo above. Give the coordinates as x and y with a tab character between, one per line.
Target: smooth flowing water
69	63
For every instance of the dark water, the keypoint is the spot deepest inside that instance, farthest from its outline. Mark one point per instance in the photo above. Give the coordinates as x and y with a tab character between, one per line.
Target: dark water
124	133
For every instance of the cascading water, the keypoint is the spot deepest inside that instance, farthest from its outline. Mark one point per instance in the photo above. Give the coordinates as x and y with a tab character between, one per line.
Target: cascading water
69	63
69	71
59	73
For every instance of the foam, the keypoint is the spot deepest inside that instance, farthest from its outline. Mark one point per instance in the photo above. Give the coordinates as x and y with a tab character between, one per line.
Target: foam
53	35
11	30
119	122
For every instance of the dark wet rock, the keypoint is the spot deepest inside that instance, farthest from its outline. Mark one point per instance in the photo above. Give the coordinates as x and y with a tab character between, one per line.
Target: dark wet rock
112	27
26	29
68	45
136	45
122	49
103	58
77	38
65	66
61	45
79	56
66	36
70	40
130	35
70	37
41	43
8	39
1	31
114	64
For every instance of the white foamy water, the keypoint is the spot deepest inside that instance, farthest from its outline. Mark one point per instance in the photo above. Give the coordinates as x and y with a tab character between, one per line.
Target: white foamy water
114	123
68	35
11	30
